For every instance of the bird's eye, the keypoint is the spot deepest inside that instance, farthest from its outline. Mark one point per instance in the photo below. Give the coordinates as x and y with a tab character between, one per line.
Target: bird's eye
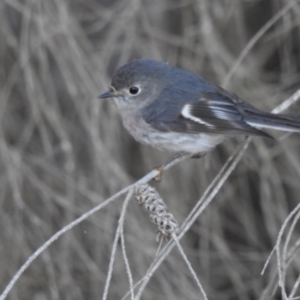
134	90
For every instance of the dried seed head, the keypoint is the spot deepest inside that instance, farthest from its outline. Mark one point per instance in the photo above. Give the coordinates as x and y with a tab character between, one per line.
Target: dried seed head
152	202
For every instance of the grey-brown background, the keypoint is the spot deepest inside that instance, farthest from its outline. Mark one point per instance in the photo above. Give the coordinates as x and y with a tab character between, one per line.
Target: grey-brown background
63	151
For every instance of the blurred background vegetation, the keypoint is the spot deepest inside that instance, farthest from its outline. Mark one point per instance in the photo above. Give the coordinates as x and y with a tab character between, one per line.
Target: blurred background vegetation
63	151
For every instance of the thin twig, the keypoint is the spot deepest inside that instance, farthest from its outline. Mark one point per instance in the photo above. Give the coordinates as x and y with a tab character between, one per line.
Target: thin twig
287	103
189	265
121	224
111	263
278	242
294	289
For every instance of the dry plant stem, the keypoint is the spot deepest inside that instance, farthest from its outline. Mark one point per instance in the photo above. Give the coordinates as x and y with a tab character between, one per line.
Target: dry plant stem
288	258
121	225
281	269
135	286
111	263
267	261
28	262
293	252
277	249
294	289
287	103
114	248
285	255
269	291
189	265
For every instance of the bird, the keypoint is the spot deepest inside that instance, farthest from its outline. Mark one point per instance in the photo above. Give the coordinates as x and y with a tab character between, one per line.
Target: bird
172	109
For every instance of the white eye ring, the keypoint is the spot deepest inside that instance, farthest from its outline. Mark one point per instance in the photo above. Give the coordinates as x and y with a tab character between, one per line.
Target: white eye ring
134	90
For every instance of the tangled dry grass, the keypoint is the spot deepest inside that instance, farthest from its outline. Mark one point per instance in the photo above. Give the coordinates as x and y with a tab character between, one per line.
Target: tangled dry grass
63	151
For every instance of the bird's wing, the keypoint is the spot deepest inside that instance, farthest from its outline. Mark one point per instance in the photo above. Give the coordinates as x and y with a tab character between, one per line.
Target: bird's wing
215	113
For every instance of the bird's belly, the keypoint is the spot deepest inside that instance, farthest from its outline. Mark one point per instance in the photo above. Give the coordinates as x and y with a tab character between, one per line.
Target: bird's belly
173	141
169	141
192	143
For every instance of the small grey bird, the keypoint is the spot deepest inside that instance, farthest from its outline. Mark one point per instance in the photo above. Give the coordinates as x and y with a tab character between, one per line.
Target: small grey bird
172	109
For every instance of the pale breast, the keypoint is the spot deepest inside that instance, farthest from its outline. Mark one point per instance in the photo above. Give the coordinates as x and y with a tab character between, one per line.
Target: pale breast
170	141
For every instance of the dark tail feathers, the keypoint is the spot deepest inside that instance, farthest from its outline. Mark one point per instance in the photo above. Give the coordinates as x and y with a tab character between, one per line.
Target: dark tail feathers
273	121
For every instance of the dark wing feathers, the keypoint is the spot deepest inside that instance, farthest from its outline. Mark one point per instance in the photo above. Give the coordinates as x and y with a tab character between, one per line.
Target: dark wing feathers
213	113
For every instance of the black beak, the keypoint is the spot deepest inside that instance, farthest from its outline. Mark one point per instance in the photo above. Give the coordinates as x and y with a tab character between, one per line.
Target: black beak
106	95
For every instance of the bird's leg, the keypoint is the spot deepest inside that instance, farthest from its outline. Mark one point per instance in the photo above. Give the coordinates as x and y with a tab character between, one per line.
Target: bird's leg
198	155
178	155
161	168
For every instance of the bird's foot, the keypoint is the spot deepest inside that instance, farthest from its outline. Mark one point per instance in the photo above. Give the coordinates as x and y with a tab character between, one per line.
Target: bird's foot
160	171
167	163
